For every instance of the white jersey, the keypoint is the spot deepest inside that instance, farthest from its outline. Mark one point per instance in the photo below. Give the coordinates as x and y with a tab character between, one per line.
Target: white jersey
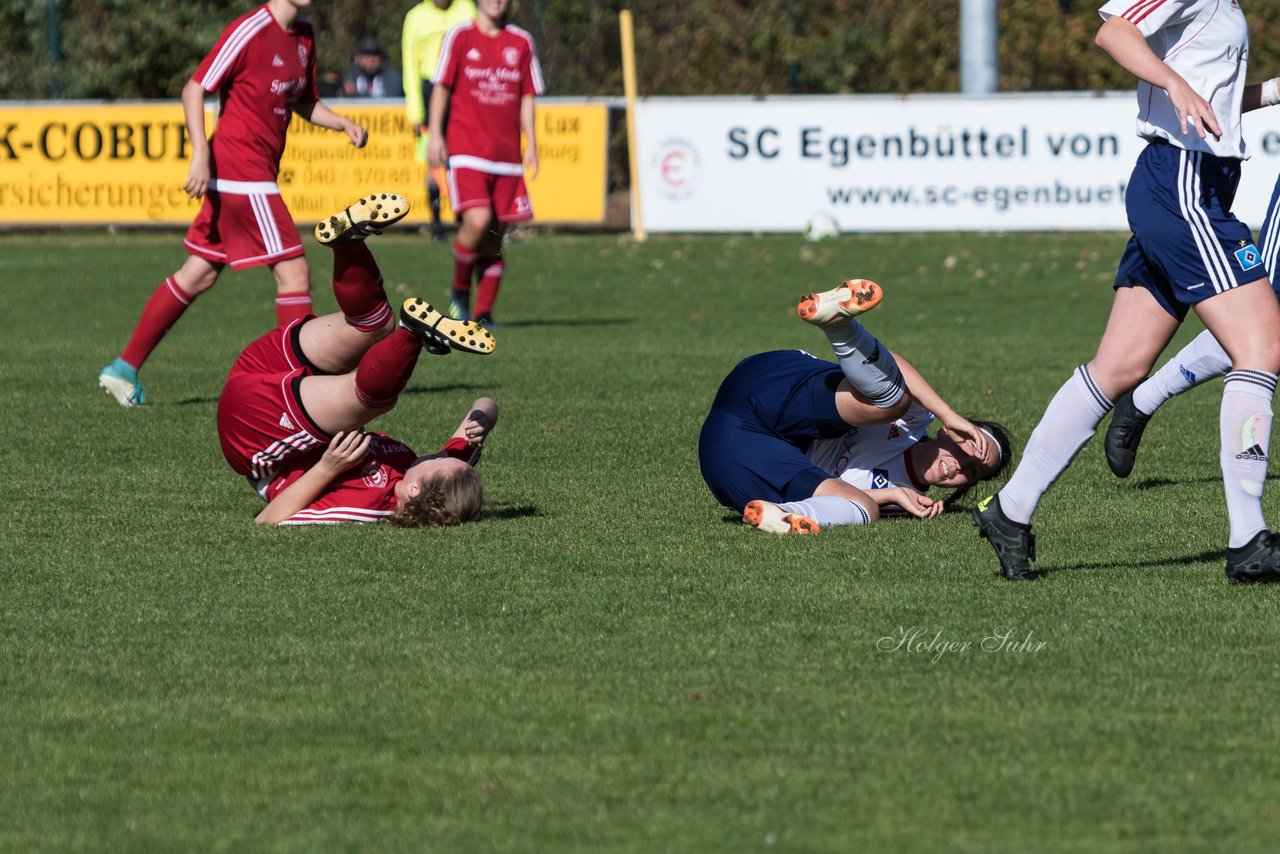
874	457
1207	43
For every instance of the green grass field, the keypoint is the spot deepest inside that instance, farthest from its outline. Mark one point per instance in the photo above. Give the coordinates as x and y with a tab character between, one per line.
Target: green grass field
608	660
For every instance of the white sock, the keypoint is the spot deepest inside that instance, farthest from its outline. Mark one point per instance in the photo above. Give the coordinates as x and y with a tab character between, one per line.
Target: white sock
870	367
1202	359
1068	422
1245	430
829	510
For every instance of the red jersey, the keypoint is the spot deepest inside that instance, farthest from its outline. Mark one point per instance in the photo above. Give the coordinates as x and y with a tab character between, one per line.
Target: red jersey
488	76
366	493
260	72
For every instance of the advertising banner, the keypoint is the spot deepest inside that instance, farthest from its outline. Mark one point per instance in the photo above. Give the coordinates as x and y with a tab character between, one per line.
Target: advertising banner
919	163
70	163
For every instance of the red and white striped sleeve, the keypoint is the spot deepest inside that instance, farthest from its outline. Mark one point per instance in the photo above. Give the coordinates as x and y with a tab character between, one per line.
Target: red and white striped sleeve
228	52
447	66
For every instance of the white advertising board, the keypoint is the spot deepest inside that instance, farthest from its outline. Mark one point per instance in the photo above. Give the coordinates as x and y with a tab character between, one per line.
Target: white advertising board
921	163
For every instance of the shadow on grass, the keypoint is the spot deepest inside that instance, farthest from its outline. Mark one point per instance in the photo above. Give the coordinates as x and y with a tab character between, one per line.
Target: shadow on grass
1187	560
509	511
437	389
197	401
1160	482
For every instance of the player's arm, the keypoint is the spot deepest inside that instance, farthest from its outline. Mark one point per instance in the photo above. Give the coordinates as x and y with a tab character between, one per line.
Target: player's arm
1257	95
437	152
345	451
908	500
479	422
928	397
321	116
193	109
1124	42
527	127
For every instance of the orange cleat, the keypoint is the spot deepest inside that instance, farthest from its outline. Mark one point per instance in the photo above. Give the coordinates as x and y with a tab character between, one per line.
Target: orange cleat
767	516
852	298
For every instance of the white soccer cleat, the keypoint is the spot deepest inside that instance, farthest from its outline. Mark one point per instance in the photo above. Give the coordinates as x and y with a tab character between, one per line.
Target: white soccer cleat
767	516
850	299
127	392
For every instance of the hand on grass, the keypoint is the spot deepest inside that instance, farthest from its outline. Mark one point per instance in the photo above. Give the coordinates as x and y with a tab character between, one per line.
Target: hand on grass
914	503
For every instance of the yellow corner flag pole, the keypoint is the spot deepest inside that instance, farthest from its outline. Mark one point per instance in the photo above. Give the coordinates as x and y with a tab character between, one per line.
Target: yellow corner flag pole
629	89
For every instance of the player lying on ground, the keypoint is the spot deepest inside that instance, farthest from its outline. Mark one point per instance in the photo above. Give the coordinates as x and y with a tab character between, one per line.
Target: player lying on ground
796	443
290	414
1201	360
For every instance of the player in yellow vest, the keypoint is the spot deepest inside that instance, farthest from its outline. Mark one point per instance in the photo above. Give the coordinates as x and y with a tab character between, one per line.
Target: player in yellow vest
424	28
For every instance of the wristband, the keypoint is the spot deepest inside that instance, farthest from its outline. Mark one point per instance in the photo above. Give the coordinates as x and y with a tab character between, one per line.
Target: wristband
1271	92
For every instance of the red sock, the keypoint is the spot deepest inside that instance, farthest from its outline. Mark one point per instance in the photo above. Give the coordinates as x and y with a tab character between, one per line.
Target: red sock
491	270
464	262
357	285
292	306
386	367
166	305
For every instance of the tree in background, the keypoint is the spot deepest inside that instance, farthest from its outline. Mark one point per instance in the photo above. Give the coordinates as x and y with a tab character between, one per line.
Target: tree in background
125	49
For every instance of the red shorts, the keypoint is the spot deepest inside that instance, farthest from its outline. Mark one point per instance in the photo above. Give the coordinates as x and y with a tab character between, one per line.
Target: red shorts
261	420
247	227
506	194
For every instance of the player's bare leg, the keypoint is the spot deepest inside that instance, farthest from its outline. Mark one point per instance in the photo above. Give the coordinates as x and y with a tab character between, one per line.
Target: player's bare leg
345	401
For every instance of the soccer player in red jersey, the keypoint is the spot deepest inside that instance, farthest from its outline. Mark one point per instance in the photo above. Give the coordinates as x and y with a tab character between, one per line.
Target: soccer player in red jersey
263	69
486	80
290	414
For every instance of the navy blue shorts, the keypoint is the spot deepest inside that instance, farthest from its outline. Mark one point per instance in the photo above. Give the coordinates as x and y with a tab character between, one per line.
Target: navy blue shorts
1186	244
767	412
1269	238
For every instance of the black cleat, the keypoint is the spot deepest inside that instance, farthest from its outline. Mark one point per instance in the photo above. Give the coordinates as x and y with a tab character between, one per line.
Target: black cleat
440	333
1256	560
1123	435
367	216
1014	543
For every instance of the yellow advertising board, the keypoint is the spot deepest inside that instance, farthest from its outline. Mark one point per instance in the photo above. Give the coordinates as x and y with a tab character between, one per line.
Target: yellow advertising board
88	163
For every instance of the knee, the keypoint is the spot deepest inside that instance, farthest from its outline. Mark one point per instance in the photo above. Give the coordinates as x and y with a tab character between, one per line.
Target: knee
1114	380
873	509
195	282
895	411
292	278
1264	355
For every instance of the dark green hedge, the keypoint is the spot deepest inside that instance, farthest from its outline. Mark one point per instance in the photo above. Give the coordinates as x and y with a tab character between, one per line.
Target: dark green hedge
147	48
